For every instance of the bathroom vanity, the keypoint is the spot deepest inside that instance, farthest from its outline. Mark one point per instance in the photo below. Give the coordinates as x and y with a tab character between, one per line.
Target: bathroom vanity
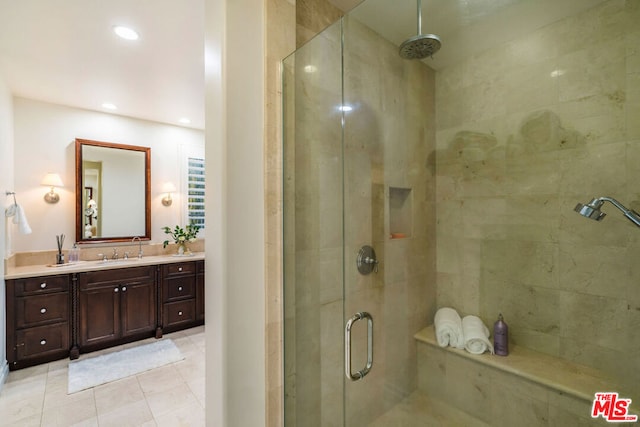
58	312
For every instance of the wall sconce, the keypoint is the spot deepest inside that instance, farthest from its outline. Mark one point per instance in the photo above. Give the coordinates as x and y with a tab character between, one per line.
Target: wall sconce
168	188
52	180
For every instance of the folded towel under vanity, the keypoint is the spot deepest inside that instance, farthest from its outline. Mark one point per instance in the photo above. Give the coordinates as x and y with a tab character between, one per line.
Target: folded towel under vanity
476	335
448	328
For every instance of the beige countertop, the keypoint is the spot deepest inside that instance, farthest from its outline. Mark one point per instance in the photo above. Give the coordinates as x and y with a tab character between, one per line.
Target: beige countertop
81	266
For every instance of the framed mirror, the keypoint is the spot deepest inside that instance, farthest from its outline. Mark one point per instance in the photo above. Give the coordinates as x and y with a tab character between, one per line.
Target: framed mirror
113	192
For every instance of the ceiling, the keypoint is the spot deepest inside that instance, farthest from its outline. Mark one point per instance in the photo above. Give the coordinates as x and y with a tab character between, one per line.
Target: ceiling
465	27
65	52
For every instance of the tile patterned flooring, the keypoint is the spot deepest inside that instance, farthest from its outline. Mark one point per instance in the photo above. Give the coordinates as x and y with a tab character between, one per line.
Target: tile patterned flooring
172	395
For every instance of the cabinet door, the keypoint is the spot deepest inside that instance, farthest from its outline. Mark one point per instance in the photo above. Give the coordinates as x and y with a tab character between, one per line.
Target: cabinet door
99	313
138	305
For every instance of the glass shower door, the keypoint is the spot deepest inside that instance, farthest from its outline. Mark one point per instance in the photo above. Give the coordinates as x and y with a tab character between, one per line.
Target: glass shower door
389	137
313	229
358	135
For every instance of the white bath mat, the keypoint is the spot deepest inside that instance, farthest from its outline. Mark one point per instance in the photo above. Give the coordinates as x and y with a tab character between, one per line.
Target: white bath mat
98	370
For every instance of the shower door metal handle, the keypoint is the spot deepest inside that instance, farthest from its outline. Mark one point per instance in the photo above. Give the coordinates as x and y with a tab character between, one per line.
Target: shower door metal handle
347	346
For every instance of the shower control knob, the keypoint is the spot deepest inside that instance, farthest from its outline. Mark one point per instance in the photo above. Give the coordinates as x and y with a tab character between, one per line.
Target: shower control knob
366	260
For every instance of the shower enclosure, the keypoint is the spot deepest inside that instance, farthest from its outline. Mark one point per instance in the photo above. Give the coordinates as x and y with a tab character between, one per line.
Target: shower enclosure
451	181
359	131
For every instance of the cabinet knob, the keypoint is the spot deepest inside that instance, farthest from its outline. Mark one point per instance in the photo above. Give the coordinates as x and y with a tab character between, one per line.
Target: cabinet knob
124	289
179	268
179	313
43	285
43	342
43	310
116	289
180	288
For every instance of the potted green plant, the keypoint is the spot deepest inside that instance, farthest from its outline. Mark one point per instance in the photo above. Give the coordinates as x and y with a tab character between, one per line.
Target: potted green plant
181	237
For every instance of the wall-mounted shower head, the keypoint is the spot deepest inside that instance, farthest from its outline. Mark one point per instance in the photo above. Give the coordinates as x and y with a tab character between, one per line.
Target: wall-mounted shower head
422	45
592	210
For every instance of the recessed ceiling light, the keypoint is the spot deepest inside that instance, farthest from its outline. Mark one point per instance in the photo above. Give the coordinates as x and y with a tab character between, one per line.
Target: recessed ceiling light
109	106
126	32
184	120
310	68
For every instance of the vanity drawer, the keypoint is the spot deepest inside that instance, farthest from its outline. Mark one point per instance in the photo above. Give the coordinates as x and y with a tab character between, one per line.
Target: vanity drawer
39	309
40	285
179	288
177	313
179	268
42	340
120	275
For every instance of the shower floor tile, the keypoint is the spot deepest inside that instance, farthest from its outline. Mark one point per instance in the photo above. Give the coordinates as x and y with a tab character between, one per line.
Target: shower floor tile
420	410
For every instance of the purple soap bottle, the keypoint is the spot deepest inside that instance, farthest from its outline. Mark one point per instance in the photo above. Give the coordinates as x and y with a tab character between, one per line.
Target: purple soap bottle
501	337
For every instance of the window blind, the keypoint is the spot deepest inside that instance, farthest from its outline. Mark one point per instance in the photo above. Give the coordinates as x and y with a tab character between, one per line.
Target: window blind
195	191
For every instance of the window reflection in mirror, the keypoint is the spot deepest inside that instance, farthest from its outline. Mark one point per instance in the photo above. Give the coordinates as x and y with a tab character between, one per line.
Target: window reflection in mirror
112	191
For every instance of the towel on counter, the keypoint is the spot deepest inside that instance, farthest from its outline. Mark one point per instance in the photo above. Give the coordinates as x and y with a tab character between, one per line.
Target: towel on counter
19	218
448	328
476	335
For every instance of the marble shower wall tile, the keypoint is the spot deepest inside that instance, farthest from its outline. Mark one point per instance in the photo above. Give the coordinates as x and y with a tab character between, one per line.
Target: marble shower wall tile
524	132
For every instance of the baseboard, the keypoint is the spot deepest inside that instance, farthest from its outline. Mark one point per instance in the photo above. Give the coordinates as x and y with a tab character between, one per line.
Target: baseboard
4	373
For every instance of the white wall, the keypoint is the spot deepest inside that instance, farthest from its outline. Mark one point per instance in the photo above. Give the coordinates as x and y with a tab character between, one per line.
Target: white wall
235	274
44	137
6	184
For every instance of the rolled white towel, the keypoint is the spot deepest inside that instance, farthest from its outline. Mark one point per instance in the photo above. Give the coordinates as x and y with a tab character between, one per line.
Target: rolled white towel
476	335
21	220
448	328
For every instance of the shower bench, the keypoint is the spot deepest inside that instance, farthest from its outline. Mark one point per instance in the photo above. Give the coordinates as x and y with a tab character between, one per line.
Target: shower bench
524	388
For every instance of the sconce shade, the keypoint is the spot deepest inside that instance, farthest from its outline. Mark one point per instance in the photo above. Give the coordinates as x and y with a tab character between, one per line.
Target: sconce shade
52	180
168	188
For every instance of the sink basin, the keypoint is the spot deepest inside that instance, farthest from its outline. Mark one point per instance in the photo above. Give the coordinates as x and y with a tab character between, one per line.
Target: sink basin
116	261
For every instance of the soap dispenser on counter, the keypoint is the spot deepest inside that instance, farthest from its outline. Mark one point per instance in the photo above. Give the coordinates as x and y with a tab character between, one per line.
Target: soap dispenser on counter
74	254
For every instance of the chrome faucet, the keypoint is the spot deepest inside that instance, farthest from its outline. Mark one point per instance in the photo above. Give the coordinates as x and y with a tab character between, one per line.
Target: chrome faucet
139	246
115	253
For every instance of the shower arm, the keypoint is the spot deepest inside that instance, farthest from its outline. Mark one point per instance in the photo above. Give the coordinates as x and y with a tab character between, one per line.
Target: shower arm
632	215
419	17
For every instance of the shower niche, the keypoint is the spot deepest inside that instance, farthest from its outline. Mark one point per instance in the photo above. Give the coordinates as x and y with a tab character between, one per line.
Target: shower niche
400	212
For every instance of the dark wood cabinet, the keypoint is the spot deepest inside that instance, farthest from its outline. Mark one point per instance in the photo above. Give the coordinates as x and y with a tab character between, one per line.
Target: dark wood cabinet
179	296
200	291
38	320
57	316
115	305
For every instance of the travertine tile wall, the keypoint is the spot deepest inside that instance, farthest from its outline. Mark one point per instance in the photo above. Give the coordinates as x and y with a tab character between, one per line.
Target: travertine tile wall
280	42
524	132
313	16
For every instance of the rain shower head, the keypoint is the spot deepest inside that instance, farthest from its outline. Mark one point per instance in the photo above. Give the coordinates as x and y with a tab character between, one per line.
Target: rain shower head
422	45
592	210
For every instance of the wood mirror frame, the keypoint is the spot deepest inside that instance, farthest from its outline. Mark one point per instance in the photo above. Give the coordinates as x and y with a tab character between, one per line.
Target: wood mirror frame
82	190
